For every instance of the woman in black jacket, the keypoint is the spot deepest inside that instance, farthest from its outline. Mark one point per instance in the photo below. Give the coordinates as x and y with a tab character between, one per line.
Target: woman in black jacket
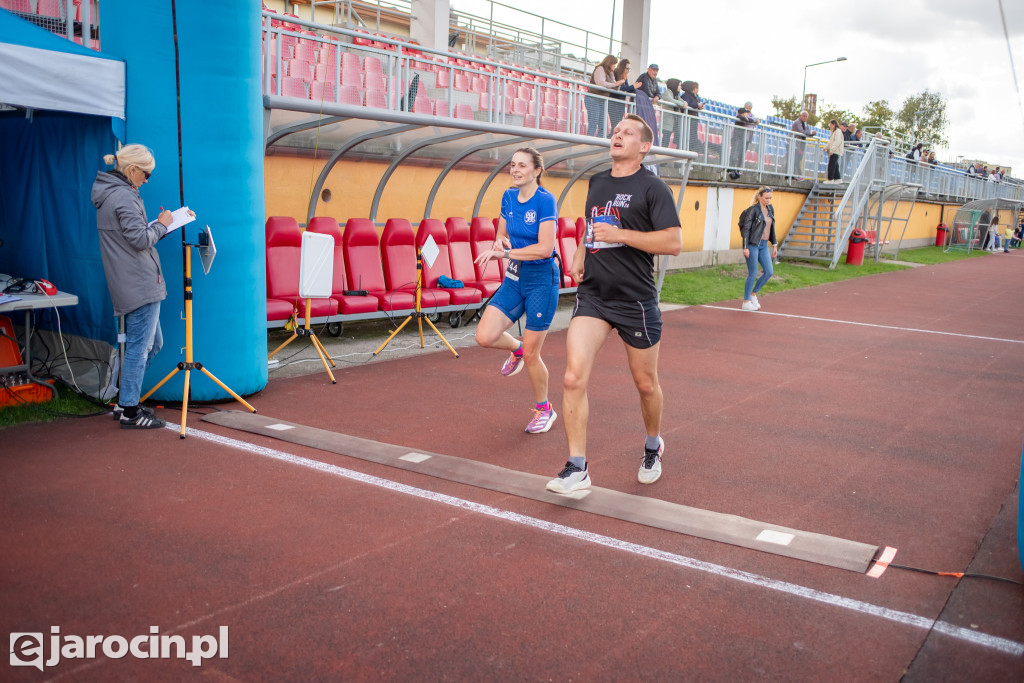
757	227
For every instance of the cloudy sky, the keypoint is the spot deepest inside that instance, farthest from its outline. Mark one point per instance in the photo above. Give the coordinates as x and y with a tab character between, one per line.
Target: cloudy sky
743	50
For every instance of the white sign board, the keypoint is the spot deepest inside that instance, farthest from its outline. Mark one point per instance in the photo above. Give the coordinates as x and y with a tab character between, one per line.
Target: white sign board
316	266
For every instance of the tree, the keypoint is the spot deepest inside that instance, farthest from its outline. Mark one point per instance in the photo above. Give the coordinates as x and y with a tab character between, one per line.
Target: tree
787	109
923	118
827	111
877	115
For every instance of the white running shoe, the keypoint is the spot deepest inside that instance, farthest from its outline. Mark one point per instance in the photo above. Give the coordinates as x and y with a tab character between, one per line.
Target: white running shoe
753	300
748	306
570	479
650	466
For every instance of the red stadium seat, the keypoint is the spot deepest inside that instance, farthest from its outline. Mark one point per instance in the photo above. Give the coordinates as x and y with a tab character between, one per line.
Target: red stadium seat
567	245
460	255
463	111
376	98
398	255
46	8
321	92
481	237
349	94
350	60
17	6
294	87
423	105
431	227
362	253
581	229
284	255
348	304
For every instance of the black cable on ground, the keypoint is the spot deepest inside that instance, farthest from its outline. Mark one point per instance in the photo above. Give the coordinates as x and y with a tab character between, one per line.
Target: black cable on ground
958	575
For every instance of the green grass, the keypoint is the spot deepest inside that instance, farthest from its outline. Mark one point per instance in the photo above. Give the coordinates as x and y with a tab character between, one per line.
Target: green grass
67	403
721	283
932	255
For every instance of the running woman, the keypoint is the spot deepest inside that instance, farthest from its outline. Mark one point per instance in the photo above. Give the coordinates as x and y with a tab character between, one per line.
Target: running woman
526	240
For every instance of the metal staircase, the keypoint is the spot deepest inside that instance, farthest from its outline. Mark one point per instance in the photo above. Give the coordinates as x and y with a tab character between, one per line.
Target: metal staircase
813	234
832	210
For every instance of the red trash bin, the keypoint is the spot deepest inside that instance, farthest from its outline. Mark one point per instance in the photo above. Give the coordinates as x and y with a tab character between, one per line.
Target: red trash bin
855	252
940	235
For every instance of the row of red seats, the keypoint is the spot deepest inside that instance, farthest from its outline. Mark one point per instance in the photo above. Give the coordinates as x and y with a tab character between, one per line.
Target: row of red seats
384	266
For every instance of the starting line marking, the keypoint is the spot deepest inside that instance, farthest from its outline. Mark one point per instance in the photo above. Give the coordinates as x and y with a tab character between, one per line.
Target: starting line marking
1001	644
852	322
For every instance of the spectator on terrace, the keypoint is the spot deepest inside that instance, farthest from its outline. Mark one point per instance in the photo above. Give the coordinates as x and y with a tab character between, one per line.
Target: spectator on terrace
674	105
915	152
648	95
854	134
617	109
693	107
931	158
845	128
803	132
971	170
603	76
834	149
996	175
740	134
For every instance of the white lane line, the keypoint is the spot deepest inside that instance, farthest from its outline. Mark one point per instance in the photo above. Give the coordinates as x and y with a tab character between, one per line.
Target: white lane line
905	618
851	322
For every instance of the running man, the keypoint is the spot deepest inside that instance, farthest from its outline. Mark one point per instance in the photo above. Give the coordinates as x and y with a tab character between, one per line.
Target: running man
631	216
526	240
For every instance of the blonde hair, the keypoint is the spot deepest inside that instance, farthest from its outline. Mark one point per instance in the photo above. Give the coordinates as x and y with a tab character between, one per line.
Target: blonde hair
138	156
764	189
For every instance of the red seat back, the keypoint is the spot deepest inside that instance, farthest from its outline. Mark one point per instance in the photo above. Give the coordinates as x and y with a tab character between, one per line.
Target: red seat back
431	227
398	254
361	251
460	252
481	237
581	229
284	251
328	226
567	246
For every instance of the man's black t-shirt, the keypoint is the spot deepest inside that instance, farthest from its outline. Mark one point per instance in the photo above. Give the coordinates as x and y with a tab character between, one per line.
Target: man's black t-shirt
642	201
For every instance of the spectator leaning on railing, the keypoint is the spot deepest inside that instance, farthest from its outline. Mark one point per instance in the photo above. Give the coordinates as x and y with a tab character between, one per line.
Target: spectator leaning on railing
674	104
834	149
617	109
603	76
693	107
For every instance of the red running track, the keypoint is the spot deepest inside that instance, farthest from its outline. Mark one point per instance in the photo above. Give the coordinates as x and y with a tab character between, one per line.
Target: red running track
326	567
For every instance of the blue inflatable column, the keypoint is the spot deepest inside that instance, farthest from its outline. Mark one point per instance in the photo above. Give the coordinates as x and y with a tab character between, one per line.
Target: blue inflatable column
218	67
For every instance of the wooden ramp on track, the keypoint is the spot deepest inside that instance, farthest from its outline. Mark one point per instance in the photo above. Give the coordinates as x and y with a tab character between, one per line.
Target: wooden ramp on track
715	526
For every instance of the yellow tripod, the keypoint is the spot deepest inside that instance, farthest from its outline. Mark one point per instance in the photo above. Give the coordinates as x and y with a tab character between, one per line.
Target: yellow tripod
189	365
418	314
305	331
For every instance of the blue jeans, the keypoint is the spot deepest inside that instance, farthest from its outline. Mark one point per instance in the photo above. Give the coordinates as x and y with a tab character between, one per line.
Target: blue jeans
762	254
143	340
595	115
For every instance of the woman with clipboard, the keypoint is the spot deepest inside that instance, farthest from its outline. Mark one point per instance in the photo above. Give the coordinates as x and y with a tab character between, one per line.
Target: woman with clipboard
132	267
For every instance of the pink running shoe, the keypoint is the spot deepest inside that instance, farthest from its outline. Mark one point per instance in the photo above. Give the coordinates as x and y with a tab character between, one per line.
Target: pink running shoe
542	421
513	365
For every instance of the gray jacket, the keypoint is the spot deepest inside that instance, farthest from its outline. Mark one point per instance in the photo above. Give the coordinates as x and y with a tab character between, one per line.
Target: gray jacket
130	261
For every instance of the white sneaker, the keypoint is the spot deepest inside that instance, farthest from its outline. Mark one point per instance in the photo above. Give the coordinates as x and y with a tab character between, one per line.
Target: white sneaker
748	306
757	304
650	466
570	479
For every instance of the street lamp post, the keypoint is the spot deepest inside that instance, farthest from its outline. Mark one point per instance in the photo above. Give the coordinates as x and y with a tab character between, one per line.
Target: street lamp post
803	95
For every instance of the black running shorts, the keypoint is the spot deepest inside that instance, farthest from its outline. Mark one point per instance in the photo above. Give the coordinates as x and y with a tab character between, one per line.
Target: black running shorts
637	322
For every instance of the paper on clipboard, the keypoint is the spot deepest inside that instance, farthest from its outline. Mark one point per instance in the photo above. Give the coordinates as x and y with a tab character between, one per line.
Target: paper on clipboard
179	218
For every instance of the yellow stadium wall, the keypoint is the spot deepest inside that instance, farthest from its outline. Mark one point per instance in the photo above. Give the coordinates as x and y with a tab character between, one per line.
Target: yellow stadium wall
289	180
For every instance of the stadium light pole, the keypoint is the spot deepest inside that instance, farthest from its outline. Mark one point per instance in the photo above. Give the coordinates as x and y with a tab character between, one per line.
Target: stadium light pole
803	95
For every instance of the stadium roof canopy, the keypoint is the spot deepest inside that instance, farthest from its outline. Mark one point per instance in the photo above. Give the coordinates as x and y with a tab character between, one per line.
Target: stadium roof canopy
348	132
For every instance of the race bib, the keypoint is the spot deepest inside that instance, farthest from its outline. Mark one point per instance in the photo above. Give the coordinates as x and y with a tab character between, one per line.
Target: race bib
512	270
588	239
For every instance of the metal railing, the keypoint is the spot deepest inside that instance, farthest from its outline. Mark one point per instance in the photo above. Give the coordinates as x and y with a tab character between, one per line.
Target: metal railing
459	86
870	169
78	21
